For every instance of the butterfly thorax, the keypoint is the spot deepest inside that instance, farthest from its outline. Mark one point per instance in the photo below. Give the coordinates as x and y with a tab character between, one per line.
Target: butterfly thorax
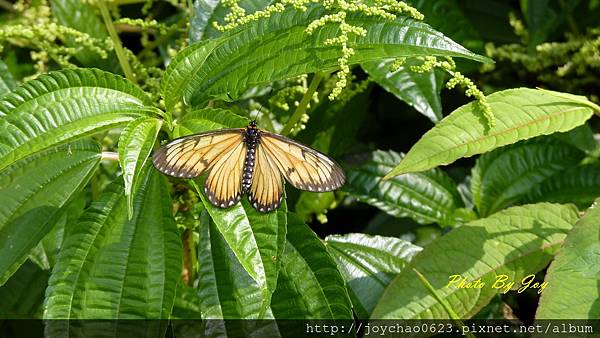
252	139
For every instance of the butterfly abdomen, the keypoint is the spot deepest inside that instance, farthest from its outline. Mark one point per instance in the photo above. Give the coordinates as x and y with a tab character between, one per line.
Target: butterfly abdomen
252	139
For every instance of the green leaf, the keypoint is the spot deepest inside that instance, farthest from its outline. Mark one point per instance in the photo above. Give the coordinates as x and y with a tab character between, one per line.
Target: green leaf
207	119
368	264
226	290
513	243
135	145
579	185
310	286
504	176
113	267
222	277
520	114
45	253
572	279
541	21
448	17
7	83
81	16
581	138
61	106
419	90
426	197
256	239
23	294
278	48
32	191
205	12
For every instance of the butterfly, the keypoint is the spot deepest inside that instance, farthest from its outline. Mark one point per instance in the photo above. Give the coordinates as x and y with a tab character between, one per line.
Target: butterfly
251	161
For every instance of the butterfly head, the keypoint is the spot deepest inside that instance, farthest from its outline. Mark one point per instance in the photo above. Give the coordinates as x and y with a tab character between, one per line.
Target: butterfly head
252	124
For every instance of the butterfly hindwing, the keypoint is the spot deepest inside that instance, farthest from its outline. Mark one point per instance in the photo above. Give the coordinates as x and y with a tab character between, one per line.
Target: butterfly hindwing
266	189
192	156
303	167
223	186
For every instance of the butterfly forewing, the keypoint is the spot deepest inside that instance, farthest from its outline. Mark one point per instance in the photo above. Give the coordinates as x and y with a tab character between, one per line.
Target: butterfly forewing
223	187
267	185
192	156
303	167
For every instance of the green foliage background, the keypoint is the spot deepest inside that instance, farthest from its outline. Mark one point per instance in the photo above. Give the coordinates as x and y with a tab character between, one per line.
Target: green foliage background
437	185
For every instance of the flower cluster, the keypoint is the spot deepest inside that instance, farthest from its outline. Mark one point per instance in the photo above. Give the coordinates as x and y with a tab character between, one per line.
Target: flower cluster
471	90
571	64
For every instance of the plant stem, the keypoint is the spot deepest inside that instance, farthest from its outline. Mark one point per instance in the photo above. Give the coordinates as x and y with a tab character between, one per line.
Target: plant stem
110	156
116	41
301	109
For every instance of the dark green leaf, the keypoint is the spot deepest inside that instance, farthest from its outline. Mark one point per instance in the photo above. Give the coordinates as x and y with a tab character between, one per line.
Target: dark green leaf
256	239
226	290
277	48
114	267
579	185
23	294
512	243
419	90
310	286
426	197
61	106
32	191
205	12
504	176
7	83
368	264
45	253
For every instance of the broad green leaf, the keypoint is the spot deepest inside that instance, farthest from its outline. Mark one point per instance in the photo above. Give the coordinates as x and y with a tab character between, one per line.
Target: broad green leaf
79	15
310	285
7	83
45	253
368	264
135	145
541	20
205	12
186	302
278	48
201	120
32	191
113	267
581	138
23	294
504	176
512	243
419	90
572	279
426	197
226	290
62	106
448	17
256	239
579	185
520	114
